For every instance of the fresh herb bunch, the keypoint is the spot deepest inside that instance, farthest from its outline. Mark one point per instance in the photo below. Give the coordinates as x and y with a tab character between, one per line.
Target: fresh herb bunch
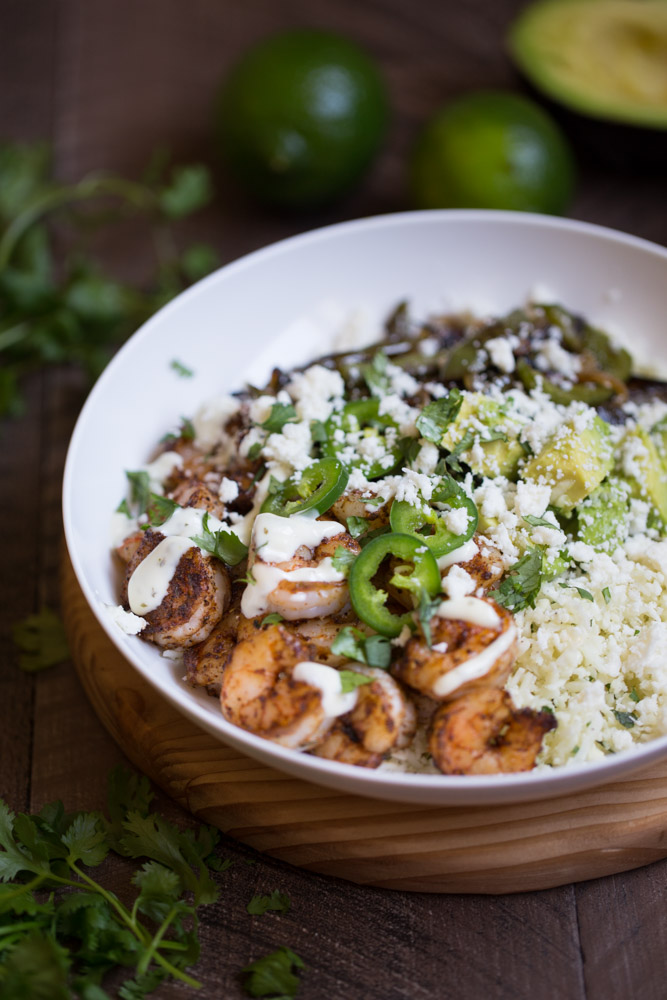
57	308
62	932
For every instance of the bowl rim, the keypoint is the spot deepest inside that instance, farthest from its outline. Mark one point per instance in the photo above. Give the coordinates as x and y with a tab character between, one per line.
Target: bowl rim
477	789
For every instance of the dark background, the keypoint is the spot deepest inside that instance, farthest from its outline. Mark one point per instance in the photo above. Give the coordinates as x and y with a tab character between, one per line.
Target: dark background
106	81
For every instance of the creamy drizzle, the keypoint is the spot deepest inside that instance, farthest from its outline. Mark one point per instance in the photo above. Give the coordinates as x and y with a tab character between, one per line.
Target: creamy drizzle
328	682
464	553
469	609
476	666
148	585
161	468
277	539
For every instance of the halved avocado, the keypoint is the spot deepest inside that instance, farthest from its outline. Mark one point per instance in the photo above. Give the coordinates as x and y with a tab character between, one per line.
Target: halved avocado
605	60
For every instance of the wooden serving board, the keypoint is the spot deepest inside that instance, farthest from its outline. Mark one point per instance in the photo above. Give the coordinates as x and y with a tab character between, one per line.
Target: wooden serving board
493	849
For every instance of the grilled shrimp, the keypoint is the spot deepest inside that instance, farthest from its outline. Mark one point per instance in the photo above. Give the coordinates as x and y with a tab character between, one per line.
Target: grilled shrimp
382	719
353	504
260	694
205	663
290	564
486	566
464	654
484	733
194	493
197	595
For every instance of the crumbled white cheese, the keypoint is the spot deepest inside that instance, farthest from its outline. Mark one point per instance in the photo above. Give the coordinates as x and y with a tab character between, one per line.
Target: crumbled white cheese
127	622
500	351
228	490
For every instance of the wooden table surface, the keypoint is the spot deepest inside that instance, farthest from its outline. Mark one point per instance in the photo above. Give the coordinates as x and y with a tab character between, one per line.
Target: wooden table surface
106	81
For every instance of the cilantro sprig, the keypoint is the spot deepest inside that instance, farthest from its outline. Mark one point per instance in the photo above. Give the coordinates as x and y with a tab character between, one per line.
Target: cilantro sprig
436	416
224	545
62	931
41	640
522	584
373	650
60	307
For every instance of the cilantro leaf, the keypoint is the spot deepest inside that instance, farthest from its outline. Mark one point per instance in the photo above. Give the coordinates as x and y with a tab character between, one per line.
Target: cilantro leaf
181	369
373	650
452	459
357	526
281	414
539	522
86	840
520	587
427	608
159	510
224	545
606	593
140	490
626	719
273	619
350	680
273	975
436	416
342	559
254	450
276	901
42	641
375	374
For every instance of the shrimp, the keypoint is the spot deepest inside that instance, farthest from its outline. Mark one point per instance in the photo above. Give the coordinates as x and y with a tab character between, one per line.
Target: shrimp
463	654
484	733
260	694
486	566
383	718
198	593
194	493
290	564
353	504
205	663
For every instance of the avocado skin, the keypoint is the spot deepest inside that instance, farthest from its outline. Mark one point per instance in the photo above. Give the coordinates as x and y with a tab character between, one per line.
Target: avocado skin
627	148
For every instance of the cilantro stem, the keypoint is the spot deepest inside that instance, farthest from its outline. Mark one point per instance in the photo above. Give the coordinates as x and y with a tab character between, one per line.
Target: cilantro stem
90	187
155	943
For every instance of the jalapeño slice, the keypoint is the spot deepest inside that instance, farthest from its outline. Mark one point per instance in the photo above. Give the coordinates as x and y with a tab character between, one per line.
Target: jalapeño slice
317	488
429	524
417	572
362	417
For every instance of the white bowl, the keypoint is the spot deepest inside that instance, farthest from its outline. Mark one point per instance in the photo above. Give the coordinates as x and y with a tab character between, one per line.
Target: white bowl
280	306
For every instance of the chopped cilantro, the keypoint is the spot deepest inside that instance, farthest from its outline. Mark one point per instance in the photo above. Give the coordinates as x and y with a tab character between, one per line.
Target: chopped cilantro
187	429
224	545
522	584
375	375
273	975
123	508
254	450
281	414
273	619
436	416
357	526
318	432
606	593
350	680
140	490
548	708
586	594
159	510
427	608
181	369
373	501
538	522
452	460
42	641
626	719
277	901
374	650
342	559
634	695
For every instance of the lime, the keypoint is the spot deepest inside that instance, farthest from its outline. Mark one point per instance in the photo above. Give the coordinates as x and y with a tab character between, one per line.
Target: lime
492	149
301	116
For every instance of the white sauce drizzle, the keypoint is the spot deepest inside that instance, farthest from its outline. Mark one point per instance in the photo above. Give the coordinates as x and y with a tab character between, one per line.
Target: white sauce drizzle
464	552
328	682
476	666
148	585
161	468
276	540
469	609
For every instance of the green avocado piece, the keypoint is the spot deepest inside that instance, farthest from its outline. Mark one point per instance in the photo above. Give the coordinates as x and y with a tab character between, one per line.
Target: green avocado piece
602	517
481	417
603	58
643	470
573	463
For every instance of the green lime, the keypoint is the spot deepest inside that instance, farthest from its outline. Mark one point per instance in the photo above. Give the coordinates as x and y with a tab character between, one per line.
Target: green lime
301	116
492	150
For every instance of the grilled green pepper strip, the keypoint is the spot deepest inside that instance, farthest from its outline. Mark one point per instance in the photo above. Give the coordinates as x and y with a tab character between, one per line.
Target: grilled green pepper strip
418	572
317	488
591	392
363	415
428	523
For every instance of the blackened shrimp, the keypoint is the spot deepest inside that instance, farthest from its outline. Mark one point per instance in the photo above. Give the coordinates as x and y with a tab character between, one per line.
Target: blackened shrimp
261	694
383	718
180	592
483	732
473	643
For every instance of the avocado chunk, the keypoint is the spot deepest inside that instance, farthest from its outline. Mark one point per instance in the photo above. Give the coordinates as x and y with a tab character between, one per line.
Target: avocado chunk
642	469
602	517
573	462
487	439
603	58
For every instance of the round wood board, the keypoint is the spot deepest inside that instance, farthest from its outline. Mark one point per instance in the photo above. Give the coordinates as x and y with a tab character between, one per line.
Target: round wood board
493	849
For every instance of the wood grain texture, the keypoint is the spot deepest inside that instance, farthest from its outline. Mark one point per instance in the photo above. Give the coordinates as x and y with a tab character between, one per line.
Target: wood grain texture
495	849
